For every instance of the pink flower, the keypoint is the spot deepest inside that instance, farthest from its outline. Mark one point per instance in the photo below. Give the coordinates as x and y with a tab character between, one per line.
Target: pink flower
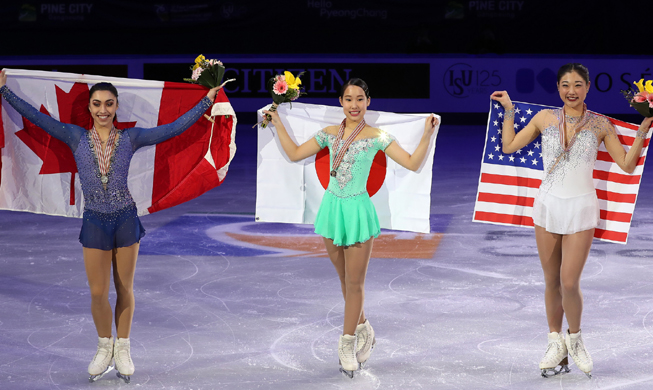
639	98
650	100
280	87
279	77
196	73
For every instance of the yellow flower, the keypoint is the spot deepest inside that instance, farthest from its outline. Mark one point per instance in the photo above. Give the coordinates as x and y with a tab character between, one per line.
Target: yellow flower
640	85
199	59
292	81
649	86
196	66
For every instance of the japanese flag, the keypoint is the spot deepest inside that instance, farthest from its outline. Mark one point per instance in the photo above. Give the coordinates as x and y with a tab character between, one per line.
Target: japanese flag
38	172
292	191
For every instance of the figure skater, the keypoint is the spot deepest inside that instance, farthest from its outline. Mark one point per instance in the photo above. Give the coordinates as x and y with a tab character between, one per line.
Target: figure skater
111	231
346	218
566	209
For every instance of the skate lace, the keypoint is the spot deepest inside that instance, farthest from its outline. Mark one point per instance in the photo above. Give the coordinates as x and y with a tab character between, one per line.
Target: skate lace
579	351
347	349
552	351
102	352
123	355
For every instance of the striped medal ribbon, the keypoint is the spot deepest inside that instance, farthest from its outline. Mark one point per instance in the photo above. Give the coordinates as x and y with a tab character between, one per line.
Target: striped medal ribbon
104	155
345	146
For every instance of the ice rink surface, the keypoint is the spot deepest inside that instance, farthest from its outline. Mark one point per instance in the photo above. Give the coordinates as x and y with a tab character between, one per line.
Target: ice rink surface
223	302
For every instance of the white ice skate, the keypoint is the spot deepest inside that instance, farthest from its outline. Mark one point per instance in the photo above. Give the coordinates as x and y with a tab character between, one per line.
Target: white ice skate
123	359
365	342
555	359
577	350
101	363
347	355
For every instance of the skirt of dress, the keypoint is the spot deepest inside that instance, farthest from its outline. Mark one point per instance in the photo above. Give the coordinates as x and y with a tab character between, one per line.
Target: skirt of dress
566	215
107	231
347	221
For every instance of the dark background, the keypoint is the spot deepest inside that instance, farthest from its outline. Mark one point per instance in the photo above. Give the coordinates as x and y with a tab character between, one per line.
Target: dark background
155	27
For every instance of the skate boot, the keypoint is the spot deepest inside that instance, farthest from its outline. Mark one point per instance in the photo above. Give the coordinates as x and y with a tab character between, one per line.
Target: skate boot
555	359
365	342
101	363
123	359
577	350
347	355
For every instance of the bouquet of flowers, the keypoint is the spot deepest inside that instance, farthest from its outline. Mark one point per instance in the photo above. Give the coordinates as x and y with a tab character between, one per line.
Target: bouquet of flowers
284	89
208	73
641	100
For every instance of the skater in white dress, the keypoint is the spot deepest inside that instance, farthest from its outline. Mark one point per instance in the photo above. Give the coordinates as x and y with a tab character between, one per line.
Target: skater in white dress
566	209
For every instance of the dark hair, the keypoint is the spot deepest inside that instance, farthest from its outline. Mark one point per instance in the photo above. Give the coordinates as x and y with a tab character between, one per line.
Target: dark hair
574	67
358	83
103	87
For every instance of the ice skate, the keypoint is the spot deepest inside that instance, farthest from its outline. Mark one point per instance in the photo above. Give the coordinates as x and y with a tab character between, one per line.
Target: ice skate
347	355
579	354
555	359
123	359
101	363
365	342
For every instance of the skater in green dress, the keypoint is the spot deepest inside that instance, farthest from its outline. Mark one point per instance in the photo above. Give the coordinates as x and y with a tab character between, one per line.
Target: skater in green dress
346	218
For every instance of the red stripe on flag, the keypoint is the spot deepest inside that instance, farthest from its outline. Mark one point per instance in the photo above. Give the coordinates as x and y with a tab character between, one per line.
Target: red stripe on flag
616	177
605	156
610	235
616	197
505	199
504	218
626	140
510	180
616	216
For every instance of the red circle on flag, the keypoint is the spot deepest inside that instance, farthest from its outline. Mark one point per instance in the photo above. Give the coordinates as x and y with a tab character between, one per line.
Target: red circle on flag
374	181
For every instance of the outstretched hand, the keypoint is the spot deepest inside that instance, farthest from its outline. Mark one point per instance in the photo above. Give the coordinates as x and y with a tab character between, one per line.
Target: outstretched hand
429	126
3	78
646	124
214	91
503	98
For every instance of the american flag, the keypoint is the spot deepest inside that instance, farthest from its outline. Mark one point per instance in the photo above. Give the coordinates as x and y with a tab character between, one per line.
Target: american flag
508	183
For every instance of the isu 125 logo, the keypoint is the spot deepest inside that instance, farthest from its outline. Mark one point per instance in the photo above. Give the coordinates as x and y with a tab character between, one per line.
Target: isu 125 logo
461	80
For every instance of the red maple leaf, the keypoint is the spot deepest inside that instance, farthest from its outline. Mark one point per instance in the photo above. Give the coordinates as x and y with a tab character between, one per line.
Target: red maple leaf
56	155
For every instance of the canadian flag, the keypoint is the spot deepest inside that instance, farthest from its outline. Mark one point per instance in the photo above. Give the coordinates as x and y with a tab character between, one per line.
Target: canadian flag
38	172
291	192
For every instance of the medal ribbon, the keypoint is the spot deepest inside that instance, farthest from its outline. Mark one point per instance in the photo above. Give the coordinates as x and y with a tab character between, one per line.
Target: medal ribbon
562	128
104	155
341	133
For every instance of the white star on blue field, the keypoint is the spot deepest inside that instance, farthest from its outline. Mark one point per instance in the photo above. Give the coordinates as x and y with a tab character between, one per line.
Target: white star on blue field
528	157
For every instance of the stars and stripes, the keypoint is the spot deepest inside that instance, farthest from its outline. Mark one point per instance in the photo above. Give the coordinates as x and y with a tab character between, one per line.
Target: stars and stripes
508	183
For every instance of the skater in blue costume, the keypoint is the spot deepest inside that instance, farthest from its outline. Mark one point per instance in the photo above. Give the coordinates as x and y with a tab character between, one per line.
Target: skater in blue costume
346	218
111	231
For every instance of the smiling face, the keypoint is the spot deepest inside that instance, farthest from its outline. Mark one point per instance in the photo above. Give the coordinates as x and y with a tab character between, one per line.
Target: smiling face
354	103
573	89
103	106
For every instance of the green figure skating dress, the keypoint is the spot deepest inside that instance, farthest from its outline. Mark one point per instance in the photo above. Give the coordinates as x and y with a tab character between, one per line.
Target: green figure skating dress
346	214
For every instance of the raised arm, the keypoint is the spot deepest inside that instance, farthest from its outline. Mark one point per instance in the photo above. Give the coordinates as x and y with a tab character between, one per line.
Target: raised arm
294	152
413	161
142	137
626	161
510	141
68	133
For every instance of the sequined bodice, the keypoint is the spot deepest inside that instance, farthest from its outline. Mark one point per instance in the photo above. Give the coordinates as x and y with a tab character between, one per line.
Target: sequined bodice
352	174
116	195
569	173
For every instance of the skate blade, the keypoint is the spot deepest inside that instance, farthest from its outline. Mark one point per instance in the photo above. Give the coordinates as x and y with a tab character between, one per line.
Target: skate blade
549	372
589	375
126	378
347	373
95	378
